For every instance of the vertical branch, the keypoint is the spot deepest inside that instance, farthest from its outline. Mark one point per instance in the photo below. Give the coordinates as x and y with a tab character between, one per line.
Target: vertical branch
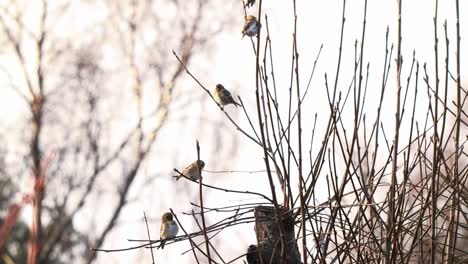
202	214
391	198
37	106
35	243
192	243
278	150
135	74
149	236
299	135
446	79
210	244
264	140
259	112
332	124
435	142
455	207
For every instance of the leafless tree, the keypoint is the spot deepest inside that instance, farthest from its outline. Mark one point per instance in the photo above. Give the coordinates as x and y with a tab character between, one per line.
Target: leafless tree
73	90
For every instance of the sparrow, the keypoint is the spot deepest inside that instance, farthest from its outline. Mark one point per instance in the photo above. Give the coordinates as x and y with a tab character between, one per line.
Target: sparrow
251	26
223	96
168	229
192	171
250	3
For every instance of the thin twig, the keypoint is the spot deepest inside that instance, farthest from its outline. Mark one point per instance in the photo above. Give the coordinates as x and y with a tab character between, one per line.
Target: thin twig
149	237
200	184
192	243
221	108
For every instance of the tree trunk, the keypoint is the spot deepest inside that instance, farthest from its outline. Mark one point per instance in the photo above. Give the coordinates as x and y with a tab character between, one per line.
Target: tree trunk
268	233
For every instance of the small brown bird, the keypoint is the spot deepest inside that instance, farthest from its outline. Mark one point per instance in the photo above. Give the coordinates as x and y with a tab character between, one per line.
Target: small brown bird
168	229
192	171
223	96
251	26
250	3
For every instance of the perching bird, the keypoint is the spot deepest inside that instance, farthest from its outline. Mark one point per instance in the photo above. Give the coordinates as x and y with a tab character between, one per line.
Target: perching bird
252	255
192	171
251	26
250	3
223	96
168	229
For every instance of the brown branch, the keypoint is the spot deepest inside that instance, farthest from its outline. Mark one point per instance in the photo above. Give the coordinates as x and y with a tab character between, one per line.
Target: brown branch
200	188
225	189
149	236
209	93
192	243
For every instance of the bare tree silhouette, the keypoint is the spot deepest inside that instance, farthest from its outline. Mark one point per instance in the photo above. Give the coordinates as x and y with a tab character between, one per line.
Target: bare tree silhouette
65	82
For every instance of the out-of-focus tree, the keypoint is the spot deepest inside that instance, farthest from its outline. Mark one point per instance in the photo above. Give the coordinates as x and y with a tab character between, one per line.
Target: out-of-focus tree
16	236
97	82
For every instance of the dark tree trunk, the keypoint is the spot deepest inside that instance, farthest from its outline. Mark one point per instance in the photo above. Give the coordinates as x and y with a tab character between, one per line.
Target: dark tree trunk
269	247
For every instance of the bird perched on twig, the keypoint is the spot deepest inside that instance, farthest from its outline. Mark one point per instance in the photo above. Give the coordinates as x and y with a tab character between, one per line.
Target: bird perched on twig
168	229
192	171
252	255
223	96
250	3
251	26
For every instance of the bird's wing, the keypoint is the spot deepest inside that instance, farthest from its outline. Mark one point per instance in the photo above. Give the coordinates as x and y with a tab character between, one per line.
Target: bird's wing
246	26
162	231
176	229
228	96
173	229
226	93
189	169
